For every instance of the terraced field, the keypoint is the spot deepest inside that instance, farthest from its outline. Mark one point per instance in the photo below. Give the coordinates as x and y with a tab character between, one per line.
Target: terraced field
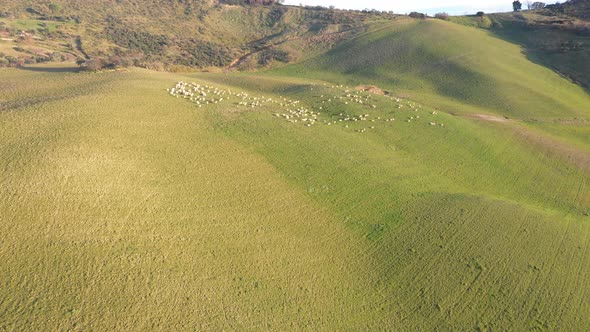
126	205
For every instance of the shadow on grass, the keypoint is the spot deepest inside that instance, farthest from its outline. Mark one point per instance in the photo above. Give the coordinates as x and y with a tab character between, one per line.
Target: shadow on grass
541	46
52	69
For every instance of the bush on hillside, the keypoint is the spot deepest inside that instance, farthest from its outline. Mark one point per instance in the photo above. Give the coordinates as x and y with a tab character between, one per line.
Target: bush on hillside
442	16
145	42
480	14
199	53
105	62
485	22
269	55
92	64
234	2
10	61
417	15
251	2
275	16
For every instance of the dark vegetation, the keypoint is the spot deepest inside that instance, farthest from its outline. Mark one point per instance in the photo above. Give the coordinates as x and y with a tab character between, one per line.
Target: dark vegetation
270	54
418	15
145	42
201	53
251	2
573	8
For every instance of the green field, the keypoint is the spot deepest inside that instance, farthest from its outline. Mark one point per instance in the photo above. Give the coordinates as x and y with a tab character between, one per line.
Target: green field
123	207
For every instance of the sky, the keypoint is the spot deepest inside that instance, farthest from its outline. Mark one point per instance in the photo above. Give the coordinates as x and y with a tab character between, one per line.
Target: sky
453	7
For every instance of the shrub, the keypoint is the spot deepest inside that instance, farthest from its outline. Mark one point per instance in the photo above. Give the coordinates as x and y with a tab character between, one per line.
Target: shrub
202	54
138	40
91	64
480	14
234	2
157	66
53	7
417	15
270	54
442	16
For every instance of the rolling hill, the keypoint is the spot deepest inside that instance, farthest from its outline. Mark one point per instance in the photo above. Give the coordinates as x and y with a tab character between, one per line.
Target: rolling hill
557	37
416	175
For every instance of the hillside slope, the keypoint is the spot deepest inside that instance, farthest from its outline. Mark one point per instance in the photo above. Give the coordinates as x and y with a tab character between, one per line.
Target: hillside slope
167	33
452	67
127	208
553	37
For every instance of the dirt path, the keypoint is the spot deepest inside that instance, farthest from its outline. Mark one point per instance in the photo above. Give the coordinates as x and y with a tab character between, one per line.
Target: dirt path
487	117
79	47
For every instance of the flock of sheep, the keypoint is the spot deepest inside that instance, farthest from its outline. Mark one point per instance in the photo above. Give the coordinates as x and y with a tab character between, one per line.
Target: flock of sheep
328	110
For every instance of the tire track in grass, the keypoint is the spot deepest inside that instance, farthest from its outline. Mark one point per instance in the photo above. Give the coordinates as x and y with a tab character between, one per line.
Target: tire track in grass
513	253
492	275
532	292
409	272
533	311
468	291
584	296
574	297
509	300
570	255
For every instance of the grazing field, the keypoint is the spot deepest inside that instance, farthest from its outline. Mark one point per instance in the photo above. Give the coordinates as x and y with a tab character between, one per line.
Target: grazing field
137	200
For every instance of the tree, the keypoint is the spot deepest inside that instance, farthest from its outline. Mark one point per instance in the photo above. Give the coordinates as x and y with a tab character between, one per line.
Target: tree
517	5
538	5
480	14
418	15
53	7
91	64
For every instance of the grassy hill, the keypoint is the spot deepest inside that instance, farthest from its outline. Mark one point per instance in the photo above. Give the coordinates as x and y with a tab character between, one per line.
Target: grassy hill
557	37
453	196
441	62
